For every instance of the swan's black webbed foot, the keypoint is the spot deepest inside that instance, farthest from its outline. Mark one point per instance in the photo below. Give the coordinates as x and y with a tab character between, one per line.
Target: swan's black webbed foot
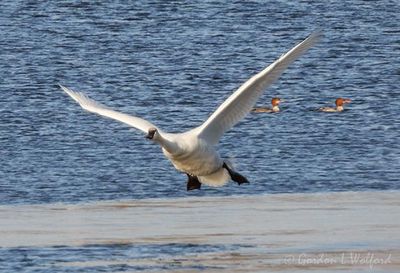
235	176
193	183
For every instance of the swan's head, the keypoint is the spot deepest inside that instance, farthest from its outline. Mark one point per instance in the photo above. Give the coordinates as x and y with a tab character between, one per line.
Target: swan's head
152	133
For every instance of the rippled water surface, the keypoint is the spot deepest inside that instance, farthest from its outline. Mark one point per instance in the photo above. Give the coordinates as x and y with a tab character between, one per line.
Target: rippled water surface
99	258
174	62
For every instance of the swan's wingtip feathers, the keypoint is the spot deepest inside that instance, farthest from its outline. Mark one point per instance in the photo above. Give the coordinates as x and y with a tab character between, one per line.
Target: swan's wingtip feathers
63	88
67	90
314	37
317	34
299	49
84	101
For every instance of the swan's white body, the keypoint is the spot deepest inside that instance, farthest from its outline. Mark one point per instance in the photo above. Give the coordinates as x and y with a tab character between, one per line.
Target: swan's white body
193	155
193	152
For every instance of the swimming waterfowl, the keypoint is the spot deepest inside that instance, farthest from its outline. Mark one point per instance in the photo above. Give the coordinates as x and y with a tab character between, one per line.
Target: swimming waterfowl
340	102
275	107
194	152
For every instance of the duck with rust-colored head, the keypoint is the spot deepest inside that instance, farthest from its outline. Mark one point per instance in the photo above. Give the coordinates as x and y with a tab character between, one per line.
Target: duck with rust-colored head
340	102
275	107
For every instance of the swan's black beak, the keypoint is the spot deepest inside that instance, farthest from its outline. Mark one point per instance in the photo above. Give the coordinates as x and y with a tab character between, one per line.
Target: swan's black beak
150	134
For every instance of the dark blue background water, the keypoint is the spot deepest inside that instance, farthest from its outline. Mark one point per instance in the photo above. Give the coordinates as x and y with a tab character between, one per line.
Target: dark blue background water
108	258
173	63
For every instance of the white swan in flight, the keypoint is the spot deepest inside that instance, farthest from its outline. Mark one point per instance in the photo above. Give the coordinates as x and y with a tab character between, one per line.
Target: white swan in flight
194	152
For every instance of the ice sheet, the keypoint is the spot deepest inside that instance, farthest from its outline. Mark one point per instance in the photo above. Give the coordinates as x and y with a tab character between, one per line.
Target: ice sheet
284	232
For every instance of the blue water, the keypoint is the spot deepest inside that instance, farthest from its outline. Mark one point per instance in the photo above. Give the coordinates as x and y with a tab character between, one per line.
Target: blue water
106	258
173	63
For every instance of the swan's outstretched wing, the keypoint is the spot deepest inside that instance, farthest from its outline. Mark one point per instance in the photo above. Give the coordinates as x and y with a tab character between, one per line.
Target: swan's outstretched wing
236	107
95	107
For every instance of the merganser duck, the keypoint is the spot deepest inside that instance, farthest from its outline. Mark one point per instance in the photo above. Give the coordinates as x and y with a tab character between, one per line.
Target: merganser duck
339	106
275	107
194	152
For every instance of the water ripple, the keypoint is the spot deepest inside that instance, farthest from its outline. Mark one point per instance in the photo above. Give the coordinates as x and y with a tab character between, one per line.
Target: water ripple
174	63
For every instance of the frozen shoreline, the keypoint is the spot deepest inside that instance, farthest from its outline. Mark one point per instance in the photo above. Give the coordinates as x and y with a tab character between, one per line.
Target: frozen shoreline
281	232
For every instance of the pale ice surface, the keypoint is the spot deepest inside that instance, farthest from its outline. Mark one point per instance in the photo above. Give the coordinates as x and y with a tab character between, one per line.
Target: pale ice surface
325	232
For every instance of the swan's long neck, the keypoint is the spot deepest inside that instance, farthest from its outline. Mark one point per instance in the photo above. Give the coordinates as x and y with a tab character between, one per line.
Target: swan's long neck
169	145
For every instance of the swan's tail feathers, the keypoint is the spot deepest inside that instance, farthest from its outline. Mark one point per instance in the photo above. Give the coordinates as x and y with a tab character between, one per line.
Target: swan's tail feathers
222	176
235	176
216	179
193	183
